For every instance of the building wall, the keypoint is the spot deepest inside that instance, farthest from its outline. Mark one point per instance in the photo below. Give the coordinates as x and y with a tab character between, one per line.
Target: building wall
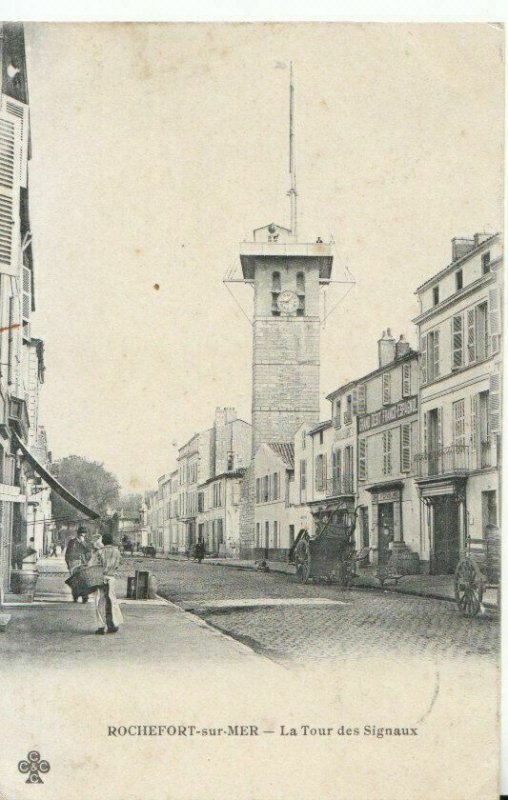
285	353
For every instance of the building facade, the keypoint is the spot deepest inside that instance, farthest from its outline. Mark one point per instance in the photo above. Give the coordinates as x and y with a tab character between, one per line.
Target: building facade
21	495
387	428
459	330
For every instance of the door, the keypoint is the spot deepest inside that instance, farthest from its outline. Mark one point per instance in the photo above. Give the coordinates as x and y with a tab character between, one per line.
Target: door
446	536
385	531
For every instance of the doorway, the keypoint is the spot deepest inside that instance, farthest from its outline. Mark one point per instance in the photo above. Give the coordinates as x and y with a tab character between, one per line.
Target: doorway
385	531
446	536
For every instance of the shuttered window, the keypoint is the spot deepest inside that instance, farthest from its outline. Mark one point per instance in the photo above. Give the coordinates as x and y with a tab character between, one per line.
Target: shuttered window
457	342
494	320
423	359
406	380
471	335
459	423
10	151
387	452
430	356
362	460
495	403
405	447
361	402
387	388
14	108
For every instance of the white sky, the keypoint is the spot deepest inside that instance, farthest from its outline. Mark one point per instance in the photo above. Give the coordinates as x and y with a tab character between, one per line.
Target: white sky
156	149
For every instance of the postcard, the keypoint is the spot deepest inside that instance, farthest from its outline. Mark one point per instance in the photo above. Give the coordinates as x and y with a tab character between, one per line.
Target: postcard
251	307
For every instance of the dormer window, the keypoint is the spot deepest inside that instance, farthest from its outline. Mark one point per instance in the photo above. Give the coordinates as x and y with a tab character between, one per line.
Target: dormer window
459	280
435	295
300	290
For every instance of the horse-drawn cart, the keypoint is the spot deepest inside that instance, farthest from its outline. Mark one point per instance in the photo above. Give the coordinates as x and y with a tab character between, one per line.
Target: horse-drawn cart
479	569
330	554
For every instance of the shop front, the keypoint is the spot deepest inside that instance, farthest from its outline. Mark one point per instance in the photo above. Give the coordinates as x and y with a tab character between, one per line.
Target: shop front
446	522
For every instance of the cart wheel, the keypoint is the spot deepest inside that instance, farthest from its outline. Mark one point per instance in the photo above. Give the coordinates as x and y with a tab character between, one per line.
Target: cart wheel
302	558
468	588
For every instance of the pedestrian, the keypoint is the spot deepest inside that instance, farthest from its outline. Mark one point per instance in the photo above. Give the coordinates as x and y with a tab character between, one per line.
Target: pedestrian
107	607
200	550
77	555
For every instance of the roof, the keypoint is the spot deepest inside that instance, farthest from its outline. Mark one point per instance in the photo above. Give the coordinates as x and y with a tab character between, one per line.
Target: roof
321	427
285	451
237	473
406	357
454	264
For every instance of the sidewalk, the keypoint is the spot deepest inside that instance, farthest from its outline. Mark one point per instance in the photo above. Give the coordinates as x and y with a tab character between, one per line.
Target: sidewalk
436	587
57	631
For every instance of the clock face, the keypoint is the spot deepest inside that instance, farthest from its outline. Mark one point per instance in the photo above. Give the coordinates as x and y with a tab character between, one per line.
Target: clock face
288	302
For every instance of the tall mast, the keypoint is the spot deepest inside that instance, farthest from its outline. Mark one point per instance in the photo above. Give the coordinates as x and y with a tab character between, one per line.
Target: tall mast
292	193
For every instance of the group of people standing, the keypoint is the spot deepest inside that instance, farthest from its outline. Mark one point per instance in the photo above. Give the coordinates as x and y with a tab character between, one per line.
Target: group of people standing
100	552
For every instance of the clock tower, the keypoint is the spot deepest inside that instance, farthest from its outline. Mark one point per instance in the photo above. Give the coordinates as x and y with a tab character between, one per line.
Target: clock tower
286	276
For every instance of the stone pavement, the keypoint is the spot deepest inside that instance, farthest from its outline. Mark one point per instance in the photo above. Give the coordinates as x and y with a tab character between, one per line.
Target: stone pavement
438	587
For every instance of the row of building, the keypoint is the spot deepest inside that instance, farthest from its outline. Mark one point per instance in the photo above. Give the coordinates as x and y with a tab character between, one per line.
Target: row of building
412	446
25	497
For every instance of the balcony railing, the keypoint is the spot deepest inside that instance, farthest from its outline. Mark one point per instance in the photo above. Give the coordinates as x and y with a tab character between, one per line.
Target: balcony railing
338	486
446	461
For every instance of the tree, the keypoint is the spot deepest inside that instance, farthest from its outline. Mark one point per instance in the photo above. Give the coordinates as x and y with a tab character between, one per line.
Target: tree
90	482
129	505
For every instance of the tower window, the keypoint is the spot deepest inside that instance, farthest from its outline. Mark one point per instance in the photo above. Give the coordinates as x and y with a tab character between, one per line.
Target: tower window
300	290
275	293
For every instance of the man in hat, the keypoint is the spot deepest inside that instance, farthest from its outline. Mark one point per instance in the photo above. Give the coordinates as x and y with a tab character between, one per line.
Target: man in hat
107	608
77	554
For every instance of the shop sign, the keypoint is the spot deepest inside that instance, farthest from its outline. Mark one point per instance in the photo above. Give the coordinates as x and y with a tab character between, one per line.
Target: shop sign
388	414
388	496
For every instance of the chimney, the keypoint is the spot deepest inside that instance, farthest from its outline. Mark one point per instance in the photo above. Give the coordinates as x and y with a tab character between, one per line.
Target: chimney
402	347
479	238
386	348
462	246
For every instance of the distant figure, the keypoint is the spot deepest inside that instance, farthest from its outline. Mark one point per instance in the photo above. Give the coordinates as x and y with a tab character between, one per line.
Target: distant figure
76	555
199	551
107	608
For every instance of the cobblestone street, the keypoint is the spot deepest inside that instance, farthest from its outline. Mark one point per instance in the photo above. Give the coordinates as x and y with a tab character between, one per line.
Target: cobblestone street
363	622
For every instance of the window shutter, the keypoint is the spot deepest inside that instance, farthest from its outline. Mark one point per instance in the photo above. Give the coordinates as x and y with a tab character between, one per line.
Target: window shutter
473	434
425	427
355	401
494	320
435	354
362	399
457	342
406	380
495	403
10	150
386	388
387	452
405	447
423	358
459	432
16	110
471	335
440	429
362	459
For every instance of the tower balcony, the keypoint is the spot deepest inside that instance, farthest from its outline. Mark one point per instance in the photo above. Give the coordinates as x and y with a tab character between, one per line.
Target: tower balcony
255	253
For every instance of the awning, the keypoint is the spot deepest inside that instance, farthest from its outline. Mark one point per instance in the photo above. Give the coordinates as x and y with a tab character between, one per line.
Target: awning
52	481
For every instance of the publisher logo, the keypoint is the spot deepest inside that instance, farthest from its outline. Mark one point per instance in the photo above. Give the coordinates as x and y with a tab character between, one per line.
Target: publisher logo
33	766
